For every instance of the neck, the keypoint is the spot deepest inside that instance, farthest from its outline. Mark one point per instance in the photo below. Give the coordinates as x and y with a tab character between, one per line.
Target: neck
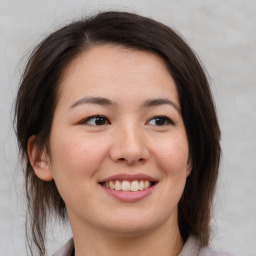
164	241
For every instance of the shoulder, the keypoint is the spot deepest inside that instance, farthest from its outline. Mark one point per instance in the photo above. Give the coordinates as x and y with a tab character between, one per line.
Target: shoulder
192	248
206	251
66	249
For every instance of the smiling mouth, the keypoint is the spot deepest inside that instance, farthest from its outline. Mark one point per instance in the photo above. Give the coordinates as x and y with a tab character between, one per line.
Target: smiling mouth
128	186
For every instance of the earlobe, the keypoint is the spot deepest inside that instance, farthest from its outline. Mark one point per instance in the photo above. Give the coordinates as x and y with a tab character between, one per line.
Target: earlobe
39	160
189	166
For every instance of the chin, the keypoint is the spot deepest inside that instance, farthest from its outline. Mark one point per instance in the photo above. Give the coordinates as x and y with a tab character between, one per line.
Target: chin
134	225
129	230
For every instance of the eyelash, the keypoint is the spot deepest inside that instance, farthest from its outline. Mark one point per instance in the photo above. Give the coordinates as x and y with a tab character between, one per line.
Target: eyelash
167	120
86	120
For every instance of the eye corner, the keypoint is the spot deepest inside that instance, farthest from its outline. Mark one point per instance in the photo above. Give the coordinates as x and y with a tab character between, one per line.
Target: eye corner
161	120
95	120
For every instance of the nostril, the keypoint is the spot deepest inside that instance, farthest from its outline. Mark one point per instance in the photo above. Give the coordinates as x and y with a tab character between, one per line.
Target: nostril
122	159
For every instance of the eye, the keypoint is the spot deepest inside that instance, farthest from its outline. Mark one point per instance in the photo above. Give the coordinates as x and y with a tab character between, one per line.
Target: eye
96	120
160	121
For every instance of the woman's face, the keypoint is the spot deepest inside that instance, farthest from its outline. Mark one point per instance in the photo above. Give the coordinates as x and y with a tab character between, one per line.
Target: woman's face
118	146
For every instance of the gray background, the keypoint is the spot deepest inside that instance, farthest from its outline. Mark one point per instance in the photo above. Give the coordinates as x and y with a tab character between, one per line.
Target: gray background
223	35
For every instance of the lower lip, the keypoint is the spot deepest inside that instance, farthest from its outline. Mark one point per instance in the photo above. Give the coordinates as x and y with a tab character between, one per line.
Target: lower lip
129	197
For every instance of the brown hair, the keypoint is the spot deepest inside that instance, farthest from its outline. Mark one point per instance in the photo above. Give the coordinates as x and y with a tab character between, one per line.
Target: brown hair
37	98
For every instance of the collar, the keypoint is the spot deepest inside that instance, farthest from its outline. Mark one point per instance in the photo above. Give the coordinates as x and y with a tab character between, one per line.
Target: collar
191	248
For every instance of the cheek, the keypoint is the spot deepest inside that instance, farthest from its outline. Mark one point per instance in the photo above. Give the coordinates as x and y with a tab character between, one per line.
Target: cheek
74	162
172	160
173	155
74	157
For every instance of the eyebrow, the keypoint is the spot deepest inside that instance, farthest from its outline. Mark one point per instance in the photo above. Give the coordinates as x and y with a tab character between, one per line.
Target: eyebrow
104	101
92	100
161	101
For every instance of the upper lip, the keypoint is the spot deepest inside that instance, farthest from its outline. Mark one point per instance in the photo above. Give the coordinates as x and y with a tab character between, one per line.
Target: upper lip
129	177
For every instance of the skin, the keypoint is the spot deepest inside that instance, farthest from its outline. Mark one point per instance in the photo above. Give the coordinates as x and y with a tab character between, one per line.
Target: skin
129	140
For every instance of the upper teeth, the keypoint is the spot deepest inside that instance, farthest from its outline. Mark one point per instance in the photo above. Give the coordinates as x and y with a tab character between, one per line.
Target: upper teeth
128	185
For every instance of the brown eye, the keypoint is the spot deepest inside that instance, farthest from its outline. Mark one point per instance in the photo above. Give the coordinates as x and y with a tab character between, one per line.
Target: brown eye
96	120
160	121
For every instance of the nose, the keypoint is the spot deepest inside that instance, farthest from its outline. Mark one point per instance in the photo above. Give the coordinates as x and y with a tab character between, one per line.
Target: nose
129	146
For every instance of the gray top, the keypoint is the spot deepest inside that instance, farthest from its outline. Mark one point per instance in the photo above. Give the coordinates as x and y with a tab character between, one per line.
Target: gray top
190	248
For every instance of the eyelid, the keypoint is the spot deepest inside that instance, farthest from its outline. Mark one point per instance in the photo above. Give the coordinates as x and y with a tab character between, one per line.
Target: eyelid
167	119
87	119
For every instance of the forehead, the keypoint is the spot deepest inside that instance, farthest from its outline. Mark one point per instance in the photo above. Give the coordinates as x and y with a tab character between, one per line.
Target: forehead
105	56
118	71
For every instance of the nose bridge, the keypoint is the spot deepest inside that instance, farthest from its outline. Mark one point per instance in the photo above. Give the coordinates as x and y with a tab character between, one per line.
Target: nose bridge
129	143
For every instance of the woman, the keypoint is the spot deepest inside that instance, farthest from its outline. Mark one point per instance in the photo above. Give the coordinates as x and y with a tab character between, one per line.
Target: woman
118	132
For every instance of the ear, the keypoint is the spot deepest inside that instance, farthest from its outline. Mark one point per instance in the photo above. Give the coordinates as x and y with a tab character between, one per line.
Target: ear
189	166
39	160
